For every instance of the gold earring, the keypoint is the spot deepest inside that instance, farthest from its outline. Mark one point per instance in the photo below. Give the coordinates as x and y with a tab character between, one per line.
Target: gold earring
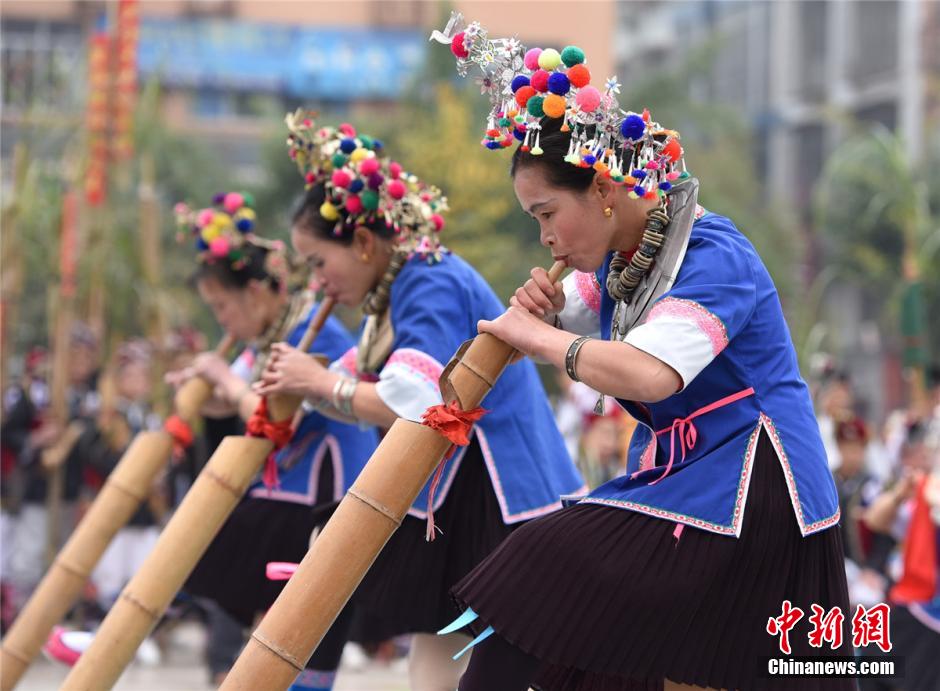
365	257
608	212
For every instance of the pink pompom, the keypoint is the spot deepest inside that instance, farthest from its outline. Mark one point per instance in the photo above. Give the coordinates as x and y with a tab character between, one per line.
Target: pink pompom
539	80
457	46
438	222
396	189
341	178
347	129
205	217
233	202
219	247
353	204
369	166
588	99
673	176
532	58
180	209
394	170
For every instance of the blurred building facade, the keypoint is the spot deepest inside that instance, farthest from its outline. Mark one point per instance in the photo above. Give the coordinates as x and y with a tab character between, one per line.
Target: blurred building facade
230	69
798	73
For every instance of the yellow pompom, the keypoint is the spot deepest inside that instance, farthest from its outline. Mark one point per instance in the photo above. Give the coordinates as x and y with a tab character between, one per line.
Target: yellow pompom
245	213
359	155
329	212
220	219
210	232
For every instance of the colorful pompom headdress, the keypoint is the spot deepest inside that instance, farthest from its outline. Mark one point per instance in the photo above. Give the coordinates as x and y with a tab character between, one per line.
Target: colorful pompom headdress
224	231
527	85
364	186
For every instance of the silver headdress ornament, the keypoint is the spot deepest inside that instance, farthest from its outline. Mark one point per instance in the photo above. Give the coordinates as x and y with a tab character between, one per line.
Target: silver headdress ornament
528	86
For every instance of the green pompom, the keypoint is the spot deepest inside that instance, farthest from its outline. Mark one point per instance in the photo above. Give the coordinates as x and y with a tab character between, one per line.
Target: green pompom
248	199
339	160
370	200
534	106
504	122
366	141
572	55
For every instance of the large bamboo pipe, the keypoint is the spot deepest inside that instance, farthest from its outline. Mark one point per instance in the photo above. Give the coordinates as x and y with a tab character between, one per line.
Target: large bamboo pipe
366	518
186	537
126	487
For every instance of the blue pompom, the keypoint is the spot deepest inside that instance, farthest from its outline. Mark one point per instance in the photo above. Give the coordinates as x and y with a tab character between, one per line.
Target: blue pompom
356	186
518	134
201	245
518	82
377	144
558	83
633	127
347	146
590	159
665	186
492	145
639	174
639	190
244	225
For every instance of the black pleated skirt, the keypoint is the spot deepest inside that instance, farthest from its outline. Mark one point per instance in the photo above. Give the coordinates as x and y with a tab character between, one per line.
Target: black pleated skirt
608	600
407	590
233	570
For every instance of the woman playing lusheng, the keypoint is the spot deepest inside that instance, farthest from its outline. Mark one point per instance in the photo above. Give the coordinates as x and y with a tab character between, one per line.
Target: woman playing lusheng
244	280
670	574
422	302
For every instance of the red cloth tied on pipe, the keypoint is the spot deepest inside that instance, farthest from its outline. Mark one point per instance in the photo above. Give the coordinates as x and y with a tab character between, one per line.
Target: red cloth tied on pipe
454	424
278	433
181	432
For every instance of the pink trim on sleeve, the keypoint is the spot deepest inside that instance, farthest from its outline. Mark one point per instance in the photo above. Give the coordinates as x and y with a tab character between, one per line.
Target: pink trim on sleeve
588	290
689	310
419	363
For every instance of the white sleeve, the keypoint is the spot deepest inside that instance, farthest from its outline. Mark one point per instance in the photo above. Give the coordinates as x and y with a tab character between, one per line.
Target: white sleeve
346	364
681	333
582	311
408	384
243	365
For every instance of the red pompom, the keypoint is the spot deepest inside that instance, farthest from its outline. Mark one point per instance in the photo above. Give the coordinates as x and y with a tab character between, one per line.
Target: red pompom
396	189
369	166
353	204
347	129
438	221
539	81
457	47
579	76
524	94
341	178
673	150
507	142
311	178
394	170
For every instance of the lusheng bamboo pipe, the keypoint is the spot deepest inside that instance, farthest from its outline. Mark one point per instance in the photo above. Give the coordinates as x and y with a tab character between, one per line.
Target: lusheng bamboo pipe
365	519
204	509
125	488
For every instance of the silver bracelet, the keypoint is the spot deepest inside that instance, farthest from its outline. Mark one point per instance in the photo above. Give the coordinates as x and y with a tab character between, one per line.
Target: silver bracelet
571	357
343	392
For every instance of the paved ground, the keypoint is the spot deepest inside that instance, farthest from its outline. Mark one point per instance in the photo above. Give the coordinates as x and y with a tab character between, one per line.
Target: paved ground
182	670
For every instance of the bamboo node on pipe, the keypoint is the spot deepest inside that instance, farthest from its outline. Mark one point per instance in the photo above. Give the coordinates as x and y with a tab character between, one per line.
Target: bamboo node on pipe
153	614
68	568
478	374
277	650
208	472
369	501
124	490
22	657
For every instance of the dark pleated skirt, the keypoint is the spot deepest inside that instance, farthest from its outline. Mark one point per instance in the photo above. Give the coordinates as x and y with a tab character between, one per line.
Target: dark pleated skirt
233	570
609	601
407	590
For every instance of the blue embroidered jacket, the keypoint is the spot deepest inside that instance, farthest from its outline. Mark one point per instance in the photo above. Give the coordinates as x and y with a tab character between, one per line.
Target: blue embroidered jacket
433	309
319	439
721	327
